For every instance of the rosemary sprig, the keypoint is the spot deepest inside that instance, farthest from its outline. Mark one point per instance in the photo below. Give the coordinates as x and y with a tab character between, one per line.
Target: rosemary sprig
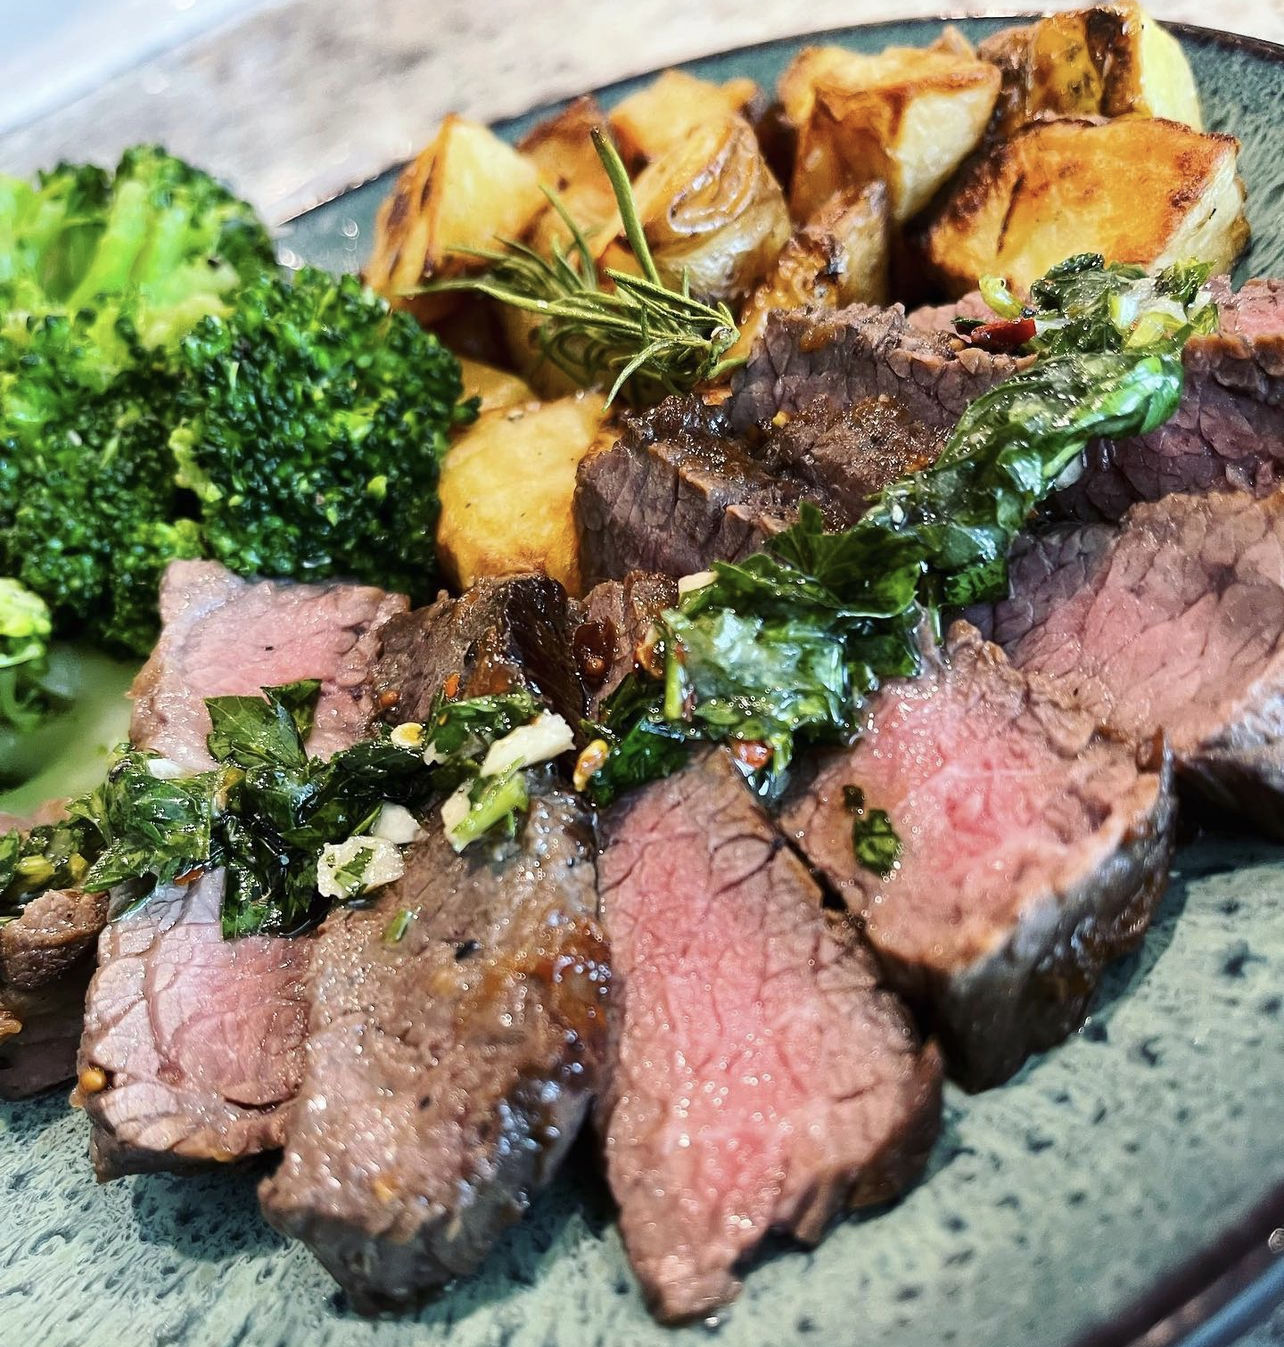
648	338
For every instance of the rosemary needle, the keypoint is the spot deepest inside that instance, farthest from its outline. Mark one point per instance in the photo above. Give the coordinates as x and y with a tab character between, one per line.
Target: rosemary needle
648	338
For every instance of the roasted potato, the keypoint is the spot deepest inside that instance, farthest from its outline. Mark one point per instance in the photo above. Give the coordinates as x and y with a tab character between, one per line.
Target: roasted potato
907	117
465	190
669	109
1136	189
711	209
506	490
839	257
494	388
1112	60
562	151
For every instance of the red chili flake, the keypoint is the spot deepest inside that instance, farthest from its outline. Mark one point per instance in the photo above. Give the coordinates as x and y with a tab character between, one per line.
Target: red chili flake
450	688
753	753
1004	335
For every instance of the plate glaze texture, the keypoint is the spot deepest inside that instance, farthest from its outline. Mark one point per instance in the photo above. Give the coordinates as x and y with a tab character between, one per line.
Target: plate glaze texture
1110	1174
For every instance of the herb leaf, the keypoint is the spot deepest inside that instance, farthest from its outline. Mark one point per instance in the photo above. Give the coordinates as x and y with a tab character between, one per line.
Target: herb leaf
263	731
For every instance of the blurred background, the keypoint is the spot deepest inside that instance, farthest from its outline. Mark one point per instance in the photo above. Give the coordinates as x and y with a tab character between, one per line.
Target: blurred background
293	100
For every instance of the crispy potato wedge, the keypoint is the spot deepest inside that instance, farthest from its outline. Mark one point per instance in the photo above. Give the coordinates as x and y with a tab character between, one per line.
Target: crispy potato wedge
839	257
1135	189
506	490
712	210
907	117
465	190
1112	61
495	388
670	108
562	151
526	357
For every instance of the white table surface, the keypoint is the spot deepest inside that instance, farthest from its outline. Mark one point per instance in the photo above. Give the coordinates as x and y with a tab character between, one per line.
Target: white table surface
293	100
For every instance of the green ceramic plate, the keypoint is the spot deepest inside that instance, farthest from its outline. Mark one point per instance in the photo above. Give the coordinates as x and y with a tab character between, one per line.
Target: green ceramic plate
1112	1180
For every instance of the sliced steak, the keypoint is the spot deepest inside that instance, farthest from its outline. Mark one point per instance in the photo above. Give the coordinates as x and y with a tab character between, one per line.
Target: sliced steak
500	634
674	493
46	959
1034	849
617	616
448	1071
759	1076
193	1044
1228	432
845	355
1176	622
849	453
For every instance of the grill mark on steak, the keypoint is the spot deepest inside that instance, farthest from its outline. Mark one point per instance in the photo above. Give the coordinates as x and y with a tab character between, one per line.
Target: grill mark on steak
1035	847
1175	621
198	1039
447	1074
759	1077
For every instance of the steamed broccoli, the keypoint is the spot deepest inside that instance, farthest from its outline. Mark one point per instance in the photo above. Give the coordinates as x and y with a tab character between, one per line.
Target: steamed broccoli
314	420
24	646
149	251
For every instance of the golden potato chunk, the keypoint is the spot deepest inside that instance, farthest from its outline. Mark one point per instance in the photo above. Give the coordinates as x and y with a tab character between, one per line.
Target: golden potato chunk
839	257
1136	190
712	210
562	151
494	388
506	490
1112	61
907	117
465	190
669	109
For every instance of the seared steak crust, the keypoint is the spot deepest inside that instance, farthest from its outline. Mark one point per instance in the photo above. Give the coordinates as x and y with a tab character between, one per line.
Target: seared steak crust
1173	622
844	355
616	617
448	1072
1034	849
759	1076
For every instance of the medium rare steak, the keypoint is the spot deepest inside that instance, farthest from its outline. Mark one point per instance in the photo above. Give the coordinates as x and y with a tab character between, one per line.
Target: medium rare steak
1034	849
844	355
193	1044
448	1072
679	490
675	492
760	1078
1176	622
1228	432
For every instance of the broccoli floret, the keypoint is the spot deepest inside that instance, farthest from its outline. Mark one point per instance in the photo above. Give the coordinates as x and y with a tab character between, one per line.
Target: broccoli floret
314	420
25	628
90	513
158	244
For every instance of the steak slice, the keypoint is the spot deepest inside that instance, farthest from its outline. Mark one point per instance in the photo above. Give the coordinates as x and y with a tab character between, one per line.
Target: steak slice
849	453
1034	850
759	1077
617	617
676	492
844	355
448	1072
1176	622
193	1044
500	634
39	1033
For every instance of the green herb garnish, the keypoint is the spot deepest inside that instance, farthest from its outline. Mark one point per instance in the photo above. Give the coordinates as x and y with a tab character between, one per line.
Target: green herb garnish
645	337
786	646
